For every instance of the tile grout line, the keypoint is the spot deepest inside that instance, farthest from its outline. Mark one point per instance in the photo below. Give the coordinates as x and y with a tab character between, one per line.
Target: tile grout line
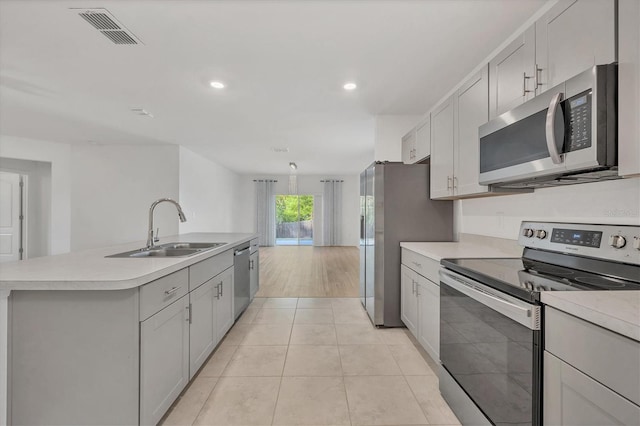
275	406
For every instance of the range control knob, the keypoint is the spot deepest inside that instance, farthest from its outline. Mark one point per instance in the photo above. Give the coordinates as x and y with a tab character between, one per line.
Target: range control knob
541	234
617	241
636	243
527	232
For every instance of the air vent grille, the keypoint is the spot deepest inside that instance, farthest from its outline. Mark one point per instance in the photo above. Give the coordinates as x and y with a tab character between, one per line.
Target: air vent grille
100	20
107	24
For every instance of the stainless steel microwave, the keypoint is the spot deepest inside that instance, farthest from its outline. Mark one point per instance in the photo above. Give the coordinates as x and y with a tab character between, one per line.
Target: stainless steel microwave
565	135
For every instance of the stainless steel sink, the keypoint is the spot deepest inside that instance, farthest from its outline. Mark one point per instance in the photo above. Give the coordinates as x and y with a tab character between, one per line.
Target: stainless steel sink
170	250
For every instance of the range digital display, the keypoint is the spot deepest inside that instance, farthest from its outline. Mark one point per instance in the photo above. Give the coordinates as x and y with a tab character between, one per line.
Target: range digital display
576	237
580	101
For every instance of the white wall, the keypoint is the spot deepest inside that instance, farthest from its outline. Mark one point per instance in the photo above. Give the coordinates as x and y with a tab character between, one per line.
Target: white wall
112	189
607	202
209	195
58	156
310	184
389	130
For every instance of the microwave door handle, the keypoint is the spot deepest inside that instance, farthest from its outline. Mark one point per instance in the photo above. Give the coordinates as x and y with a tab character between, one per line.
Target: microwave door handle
552	146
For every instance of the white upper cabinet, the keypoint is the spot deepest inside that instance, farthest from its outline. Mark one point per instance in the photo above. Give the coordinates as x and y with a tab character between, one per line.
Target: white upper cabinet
572	37
423	138
442	150
416	144
629	80
471	111
513	74
409	147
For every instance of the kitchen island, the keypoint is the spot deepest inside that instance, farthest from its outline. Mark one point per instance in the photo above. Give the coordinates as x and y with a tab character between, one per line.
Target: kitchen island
89	339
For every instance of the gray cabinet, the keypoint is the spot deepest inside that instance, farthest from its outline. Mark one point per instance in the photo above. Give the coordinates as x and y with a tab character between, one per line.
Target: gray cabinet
471	111
164	360
409	147
572	37
629	79
573	398
420	300
409	299
423	138
512	74
254	274
224	302
442	150
590	373
429	316
203	335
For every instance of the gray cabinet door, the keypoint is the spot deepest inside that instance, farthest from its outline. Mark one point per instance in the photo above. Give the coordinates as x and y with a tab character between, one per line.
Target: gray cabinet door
224	302
254	274
408	299
442	150
423	138
429	317
573	398
572	37
164	360
409	147
472	110
202	331
511	74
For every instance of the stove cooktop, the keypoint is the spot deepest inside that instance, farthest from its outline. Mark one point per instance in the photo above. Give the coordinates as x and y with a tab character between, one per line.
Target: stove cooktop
525	278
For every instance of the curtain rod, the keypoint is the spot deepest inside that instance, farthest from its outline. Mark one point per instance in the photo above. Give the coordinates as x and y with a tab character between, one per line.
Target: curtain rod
332	180
264	180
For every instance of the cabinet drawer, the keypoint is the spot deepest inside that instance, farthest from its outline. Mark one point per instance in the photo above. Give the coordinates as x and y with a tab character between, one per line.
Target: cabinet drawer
610	358
254	245
426	267
162	292
203	271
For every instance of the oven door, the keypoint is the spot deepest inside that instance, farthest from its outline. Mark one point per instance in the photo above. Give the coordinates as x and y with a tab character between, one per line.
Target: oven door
489	344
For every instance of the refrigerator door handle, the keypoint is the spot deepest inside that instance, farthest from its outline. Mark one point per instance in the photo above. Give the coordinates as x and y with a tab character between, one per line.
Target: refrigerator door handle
361	227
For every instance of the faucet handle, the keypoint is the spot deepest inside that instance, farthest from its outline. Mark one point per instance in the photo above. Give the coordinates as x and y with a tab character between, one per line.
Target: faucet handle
156	238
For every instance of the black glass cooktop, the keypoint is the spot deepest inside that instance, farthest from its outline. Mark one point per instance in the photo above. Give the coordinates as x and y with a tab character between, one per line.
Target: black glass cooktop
526	278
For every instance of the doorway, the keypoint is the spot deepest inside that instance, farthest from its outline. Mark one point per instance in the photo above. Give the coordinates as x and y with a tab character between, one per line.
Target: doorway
11	216
294	220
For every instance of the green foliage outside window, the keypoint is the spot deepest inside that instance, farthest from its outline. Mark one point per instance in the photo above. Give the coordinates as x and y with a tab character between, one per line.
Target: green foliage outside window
287	208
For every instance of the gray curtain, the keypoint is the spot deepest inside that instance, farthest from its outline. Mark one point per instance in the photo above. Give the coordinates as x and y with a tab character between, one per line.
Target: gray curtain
266	212
332	212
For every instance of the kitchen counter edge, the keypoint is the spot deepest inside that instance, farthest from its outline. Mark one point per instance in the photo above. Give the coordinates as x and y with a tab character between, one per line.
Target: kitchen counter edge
91	270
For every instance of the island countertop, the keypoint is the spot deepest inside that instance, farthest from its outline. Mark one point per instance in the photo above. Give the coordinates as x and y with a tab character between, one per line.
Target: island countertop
91	270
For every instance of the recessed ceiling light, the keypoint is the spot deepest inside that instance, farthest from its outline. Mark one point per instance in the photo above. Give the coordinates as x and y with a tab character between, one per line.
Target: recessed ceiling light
293	166
350	86
217	85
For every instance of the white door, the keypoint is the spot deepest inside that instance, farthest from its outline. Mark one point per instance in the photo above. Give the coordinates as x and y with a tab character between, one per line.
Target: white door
10	224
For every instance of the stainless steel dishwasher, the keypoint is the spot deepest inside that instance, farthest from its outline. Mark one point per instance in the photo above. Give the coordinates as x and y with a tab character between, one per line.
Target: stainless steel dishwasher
242	278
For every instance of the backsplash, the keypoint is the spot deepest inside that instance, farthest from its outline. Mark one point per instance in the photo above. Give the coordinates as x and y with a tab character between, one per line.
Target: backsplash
608	202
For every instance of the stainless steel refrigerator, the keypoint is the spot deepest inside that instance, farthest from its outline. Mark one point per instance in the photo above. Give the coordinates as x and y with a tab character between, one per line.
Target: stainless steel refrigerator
394	207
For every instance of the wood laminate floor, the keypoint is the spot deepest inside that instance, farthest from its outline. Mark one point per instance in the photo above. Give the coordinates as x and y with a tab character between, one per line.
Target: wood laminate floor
300	271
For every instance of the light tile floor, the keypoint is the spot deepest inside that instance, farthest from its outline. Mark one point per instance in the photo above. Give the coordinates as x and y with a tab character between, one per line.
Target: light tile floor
313	362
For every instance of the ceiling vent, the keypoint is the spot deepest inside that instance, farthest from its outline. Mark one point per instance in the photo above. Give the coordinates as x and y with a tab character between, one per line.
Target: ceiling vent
104	22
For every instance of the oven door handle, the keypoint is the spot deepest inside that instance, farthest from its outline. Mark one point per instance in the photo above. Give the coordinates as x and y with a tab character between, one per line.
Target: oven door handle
527	315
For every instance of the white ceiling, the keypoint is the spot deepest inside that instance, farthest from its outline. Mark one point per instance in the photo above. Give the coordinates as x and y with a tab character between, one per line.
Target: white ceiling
284	63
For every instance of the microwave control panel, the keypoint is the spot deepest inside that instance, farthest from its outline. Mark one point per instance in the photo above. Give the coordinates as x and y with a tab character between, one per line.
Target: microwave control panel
578	121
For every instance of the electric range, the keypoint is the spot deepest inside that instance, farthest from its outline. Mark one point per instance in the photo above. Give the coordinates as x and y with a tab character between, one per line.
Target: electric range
491	339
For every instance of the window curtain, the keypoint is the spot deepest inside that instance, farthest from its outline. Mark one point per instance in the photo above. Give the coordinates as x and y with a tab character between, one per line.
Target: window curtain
332	212
266	212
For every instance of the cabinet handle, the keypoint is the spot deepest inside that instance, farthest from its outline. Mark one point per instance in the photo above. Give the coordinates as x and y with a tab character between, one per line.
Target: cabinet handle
537	78
171	291
448	183
413	287
251	264
419	265
455	183
189	318
524	85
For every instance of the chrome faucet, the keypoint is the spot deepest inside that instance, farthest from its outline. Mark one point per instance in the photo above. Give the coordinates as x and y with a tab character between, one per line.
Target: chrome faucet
150	237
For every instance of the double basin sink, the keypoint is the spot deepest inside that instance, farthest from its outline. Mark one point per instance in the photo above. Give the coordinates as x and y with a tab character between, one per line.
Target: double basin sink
170	250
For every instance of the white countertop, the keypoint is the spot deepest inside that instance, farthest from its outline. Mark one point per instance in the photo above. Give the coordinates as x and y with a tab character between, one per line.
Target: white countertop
439	251
91	270
618	311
